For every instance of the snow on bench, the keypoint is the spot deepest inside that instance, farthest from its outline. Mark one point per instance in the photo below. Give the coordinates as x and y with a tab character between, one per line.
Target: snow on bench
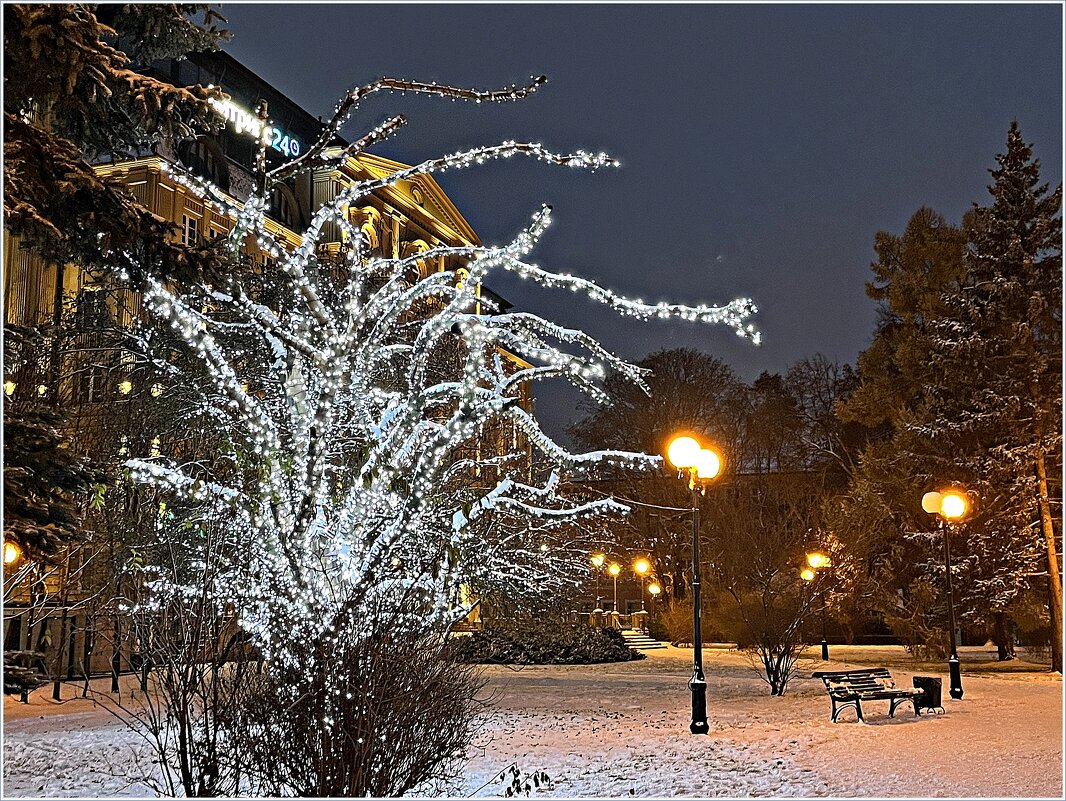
849	688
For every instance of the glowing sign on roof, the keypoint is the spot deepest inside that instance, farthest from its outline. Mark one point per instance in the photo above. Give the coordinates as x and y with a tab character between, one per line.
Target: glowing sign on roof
244	121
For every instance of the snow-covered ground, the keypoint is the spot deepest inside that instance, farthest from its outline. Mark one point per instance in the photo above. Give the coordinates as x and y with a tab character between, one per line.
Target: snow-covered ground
622	730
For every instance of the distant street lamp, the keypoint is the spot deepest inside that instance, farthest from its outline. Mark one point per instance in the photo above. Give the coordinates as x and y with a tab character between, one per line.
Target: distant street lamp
654	590
614	570
597	560
816	561
701	465
641	567
949	506
12	553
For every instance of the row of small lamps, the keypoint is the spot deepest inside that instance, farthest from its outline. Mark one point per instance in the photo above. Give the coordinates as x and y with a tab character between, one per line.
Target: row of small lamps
641	567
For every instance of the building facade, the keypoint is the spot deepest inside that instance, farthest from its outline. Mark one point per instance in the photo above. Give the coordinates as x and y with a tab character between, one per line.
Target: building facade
53	611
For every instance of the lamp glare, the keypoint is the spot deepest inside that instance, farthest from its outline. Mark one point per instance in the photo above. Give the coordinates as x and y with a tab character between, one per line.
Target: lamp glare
683	452
708	464
953	505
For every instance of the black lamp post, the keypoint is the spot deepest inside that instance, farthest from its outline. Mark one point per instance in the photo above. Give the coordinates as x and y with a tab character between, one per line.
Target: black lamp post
816	561
948	506
825	642
701	464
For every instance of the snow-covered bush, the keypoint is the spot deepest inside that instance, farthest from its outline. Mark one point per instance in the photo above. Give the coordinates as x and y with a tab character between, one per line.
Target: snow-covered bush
542	642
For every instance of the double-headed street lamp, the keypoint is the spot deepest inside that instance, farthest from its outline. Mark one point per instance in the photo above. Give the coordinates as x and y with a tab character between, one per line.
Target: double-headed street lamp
815	562
702	465
949	506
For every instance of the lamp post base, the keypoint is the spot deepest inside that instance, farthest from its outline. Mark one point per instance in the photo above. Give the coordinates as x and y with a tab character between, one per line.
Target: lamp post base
955	690
699	723
825	651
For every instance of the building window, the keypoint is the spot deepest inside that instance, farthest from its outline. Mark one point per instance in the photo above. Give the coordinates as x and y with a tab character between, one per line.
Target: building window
204	158
190	230
91	383
282	207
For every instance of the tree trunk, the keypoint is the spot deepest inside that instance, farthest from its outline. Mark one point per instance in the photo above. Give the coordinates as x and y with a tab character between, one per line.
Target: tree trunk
1054	579
1001	636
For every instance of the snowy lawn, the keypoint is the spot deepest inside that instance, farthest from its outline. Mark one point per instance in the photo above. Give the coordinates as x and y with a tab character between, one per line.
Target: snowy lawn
622	730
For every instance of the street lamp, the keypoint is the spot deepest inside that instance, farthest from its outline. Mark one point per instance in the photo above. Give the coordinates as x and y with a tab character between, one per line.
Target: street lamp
949	506
614	570
702	465
12	553
641	567
654	590
816	561
597	560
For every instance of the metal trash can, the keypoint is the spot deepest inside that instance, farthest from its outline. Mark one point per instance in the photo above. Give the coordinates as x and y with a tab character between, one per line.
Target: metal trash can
932	692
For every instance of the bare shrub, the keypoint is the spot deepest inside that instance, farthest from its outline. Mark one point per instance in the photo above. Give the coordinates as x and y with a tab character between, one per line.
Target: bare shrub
675	619
359	716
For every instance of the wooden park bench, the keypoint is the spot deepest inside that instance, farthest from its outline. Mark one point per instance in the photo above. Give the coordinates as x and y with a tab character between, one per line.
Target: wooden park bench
852	687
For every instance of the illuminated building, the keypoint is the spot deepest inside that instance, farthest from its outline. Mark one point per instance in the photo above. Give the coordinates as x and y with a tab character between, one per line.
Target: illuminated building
397	221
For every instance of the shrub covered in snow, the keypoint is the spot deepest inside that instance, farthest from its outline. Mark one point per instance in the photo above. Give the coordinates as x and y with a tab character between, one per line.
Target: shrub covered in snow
536	642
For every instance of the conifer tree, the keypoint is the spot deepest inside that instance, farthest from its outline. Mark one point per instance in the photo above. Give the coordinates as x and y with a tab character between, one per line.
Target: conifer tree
996	393
72	97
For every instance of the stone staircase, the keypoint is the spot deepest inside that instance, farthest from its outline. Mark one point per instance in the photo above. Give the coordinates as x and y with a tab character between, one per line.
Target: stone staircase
641	641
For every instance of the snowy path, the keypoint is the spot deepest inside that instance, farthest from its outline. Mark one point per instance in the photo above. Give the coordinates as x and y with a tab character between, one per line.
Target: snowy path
622	730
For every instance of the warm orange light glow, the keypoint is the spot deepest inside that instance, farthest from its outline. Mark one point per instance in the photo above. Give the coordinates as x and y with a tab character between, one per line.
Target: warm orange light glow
642	566
614	569
683	452
12	553
708	464
654	589
598	559
953	505
807	574
817	560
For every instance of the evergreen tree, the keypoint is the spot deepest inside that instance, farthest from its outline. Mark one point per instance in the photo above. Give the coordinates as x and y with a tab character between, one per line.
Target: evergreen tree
879	519
996	388
71	97
45	480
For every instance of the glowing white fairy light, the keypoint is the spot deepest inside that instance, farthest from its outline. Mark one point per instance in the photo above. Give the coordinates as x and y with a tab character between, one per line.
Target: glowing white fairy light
365	479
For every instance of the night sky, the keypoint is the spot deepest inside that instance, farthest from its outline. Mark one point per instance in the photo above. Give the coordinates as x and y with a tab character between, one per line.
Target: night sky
762	146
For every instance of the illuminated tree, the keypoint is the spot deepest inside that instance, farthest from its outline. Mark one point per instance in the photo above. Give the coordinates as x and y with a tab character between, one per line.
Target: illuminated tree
350	394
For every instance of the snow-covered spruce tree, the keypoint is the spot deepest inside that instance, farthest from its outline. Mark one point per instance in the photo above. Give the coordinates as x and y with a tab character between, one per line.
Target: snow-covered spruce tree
351	394
996	395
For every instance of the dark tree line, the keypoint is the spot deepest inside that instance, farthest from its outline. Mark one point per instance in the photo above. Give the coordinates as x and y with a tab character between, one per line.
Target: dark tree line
960	385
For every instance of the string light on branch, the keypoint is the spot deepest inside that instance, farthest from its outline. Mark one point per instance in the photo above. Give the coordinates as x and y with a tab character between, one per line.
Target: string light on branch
358	407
